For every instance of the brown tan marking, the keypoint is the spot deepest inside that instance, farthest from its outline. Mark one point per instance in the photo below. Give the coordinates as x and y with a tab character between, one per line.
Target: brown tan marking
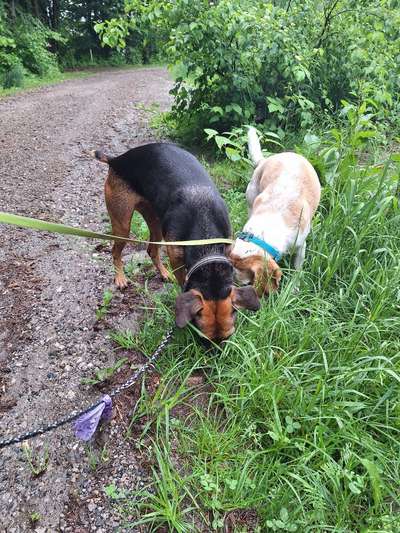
121	202
215	318
263	273
154	226
176	258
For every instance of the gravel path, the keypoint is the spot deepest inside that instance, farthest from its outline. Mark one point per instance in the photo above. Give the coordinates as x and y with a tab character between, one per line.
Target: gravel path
50	287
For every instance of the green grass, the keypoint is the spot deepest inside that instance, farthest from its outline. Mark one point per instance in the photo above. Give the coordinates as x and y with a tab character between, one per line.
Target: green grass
298	415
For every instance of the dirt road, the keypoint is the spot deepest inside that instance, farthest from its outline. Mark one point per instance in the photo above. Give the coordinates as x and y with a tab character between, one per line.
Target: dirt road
50	287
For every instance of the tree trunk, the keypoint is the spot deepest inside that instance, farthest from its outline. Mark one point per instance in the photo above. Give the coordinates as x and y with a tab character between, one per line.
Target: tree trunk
54	14
12	9
35	8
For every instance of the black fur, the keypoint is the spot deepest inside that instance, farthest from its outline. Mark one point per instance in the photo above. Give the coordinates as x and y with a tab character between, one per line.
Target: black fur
187	204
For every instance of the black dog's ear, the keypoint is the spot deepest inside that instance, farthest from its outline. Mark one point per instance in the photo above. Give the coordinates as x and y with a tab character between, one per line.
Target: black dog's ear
187	305
245	298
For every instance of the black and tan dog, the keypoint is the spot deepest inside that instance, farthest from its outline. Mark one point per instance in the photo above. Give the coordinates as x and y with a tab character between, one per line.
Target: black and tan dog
178	201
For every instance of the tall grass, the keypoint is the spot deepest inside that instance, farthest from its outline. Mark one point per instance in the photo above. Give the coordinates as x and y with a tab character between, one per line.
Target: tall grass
299	415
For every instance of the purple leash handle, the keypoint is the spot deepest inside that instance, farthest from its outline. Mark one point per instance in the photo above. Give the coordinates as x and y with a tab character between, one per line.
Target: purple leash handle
86	425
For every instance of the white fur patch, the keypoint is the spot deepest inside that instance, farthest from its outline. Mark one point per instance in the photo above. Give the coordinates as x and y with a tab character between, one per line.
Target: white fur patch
243	248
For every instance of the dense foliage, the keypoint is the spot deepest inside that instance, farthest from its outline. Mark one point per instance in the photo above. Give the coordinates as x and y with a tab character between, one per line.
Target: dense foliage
41	37
279	63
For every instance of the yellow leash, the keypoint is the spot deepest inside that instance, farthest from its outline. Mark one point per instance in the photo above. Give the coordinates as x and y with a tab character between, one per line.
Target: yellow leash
53	227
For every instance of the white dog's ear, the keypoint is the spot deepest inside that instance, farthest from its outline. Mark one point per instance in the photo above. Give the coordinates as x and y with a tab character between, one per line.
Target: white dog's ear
267	276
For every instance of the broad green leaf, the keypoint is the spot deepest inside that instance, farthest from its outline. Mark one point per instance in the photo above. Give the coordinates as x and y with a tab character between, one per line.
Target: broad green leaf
375	479
217	109
299	74
312	140
368	134
210	133
233	154
221	141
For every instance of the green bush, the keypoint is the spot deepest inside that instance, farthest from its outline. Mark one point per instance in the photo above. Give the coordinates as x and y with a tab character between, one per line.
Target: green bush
286	64
76	54
284	67
32	40
14	77
8	56
144	31
117	59
26	42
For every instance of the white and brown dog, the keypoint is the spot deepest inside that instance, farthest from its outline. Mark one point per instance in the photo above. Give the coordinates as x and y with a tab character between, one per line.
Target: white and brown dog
283	195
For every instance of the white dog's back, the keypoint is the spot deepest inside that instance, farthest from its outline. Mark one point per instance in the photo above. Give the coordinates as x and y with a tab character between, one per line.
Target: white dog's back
287	178
281	179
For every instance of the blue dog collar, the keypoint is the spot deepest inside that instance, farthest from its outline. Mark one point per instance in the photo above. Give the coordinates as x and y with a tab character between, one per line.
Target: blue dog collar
250	237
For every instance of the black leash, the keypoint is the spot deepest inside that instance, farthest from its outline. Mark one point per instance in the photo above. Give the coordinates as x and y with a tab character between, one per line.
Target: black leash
76	414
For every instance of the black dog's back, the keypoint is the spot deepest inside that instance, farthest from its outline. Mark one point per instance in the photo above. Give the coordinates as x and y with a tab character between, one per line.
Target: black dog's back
178	187
157	168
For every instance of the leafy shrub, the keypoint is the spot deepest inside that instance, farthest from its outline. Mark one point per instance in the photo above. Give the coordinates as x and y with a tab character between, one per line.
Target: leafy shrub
32	42
117	59
143	29
278	66
282	64
8	57
14	77
234	143
326	151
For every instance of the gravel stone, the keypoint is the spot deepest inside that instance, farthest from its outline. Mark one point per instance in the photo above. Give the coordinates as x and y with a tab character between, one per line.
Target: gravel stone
50	288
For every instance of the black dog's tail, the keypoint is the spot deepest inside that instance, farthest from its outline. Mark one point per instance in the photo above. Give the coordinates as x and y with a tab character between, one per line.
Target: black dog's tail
100	156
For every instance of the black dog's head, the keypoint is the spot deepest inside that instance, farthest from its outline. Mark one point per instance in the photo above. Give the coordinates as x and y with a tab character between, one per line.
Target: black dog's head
210	302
